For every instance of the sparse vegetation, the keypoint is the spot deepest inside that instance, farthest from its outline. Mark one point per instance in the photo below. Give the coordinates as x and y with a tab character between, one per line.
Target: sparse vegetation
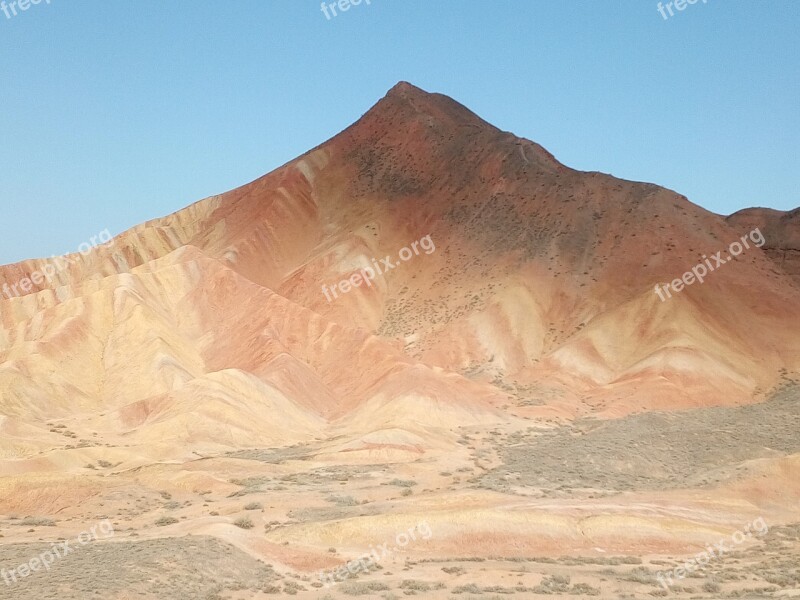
639	575
406	483
584	589
362	588
37	522
469	588
244	523
553	584
292	587
199	567
701	447
342	500
420	586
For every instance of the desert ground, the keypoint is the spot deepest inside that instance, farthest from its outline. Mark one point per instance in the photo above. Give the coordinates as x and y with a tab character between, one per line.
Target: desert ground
588	508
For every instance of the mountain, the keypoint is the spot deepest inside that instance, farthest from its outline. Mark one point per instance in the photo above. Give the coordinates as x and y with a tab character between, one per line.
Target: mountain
542	280
524	294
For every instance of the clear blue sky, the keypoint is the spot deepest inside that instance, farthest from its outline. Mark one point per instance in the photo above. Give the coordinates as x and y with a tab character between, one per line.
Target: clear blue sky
115	112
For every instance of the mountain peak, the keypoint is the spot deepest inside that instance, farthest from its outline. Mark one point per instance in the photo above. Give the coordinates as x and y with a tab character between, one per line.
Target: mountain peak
405	89
405	103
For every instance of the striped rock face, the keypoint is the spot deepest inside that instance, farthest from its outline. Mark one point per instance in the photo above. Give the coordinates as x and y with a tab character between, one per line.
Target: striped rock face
407	324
